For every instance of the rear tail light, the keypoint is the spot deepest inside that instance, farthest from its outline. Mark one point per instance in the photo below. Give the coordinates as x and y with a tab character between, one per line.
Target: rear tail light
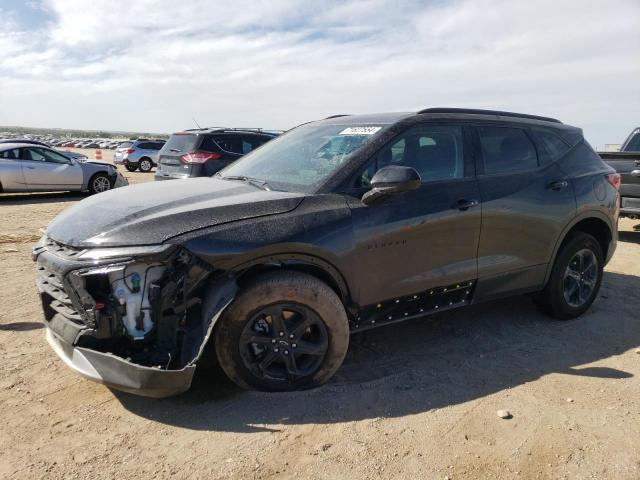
614	180
199	158
129	151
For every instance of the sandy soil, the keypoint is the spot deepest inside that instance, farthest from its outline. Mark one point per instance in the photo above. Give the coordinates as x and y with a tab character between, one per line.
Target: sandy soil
415	400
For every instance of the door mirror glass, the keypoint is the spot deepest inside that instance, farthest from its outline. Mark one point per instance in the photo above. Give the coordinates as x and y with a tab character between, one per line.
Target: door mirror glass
390	180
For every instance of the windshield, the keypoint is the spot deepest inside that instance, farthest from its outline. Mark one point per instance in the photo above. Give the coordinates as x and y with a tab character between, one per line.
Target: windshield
303	158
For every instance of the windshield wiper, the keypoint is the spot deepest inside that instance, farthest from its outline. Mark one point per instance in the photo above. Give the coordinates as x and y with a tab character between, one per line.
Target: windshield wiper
256	182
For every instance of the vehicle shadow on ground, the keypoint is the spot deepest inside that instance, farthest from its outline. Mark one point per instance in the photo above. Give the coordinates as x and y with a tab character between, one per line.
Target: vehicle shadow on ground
21	326
421	365
35	198
630	237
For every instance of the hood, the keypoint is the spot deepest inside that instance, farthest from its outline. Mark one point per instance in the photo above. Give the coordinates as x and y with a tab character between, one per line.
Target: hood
151	213
98	162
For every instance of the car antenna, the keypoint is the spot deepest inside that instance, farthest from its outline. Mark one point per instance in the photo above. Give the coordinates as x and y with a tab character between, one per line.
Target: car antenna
194	121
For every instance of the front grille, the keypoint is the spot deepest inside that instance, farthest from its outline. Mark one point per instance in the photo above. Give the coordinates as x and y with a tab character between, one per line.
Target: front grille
55	300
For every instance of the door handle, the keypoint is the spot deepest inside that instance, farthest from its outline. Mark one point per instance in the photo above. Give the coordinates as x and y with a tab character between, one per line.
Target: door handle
464	204
557	185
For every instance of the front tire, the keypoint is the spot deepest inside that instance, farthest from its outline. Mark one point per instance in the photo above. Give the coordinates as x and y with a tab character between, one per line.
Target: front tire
145	165
575	278
99	183
284	331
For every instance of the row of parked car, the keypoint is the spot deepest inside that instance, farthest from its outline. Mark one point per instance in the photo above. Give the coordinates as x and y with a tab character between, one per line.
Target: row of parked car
84	143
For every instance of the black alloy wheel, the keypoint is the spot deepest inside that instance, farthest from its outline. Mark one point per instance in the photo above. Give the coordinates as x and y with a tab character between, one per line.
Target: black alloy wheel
284	341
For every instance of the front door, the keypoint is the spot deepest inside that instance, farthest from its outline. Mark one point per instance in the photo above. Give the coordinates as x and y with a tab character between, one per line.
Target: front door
46	170
416	241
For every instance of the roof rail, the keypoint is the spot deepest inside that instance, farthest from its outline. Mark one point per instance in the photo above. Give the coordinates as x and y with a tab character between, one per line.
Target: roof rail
475	111
338	115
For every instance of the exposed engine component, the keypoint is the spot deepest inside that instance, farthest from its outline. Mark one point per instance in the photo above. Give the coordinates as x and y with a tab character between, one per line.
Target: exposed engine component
131	288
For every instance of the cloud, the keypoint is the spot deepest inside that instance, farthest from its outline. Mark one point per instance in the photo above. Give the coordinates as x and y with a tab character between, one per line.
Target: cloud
153	65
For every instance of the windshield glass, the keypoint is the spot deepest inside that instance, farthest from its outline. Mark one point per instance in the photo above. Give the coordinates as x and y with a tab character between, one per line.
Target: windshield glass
301	159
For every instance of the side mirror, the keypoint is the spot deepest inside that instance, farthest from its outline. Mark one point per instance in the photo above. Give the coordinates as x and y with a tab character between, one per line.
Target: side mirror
392	179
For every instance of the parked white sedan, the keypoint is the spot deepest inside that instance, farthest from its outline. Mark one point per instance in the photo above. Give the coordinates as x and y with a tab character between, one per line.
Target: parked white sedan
33	168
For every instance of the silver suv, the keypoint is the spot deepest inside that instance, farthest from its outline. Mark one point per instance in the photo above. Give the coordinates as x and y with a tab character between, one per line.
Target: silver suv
141	153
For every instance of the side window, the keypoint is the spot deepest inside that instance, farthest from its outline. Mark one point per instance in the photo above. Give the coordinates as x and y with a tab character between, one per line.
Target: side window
158	145
506	150
550	146
634	144
32	154
10	154
252	142
229	143
247	146
436	152
49	156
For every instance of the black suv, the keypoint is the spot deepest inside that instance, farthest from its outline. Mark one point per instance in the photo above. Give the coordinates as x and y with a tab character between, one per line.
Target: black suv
202	152
337	226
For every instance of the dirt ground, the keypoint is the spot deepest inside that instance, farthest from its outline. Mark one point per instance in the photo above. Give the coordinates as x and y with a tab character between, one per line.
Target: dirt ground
414	400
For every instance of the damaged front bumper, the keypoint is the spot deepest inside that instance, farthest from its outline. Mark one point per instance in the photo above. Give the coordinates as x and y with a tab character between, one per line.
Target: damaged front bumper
141	336
120	374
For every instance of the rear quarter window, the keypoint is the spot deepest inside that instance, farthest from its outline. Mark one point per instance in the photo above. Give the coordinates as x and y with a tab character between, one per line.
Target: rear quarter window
550	146
506	150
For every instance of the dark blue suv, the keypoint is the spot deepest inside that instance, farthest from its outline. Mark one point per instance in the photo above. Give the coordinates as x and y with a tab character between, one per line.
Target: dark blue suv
335	227
202	152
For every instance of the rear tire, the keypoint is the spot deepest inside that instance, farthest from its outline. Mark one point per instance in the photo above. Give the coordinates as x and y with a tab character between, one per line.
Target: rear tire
284	331
575	278
145	165
131	167
99	183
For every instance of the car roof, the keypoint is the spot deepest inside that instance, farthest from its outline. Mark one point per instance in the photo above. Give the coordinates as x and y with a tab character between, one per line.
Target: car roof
11	146
447	113
245	130
381	118
22	140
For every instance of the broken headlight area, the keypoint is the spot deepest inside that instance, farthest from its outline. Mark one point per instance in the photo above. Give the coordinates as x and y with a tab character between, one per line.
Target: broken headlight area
145	310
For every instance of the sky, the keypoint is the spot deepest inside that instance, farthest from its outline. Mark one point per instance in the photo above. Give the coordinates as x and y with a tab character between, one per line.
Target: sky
154	65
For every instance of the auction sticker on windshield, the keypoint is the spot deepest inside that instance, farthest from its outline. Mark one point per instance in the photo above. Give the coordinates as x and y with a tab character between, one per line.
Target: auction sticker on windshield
360	130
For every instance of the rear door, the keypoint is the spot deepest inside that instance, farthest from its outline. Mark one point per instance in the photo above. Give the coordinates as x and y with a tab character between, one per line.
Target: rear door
11	176
48	170
526	201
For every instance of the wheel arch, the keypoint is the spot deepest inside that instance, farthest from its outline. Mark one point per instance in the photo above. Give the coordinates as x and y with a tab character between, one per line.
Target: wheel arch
310	264
93	175
594	223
